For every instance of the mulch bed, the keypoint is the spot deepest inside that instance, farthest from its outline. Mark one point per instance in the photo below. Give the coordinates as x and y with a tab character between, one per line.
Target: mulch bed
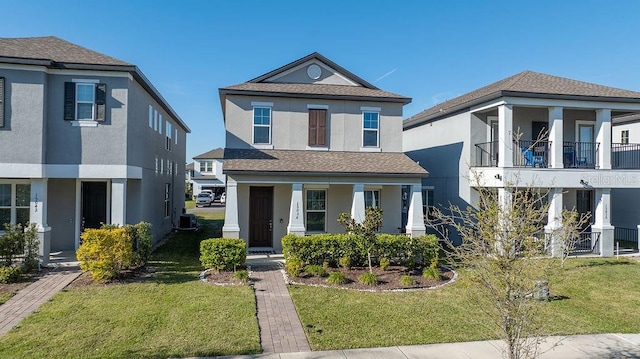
222	277
387	280
128	276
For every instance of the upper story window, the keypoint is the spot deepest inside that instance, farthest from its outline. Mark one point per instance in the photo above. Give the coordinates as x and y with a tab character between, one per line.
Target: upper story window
262	125
206	166
370	129
84	100
168	133
624	137
317	127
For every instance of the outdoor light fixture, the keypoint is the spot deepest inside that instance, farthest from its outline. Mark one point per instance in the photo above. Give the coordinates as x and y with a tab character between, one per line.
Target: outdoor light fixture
498	177
584	183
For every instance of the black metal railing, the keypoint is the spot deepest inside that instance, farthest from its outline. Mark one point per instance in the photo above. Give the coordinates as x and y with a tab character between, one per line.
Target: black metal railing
627	238
487	154
589	242
580	154
531	153
625	155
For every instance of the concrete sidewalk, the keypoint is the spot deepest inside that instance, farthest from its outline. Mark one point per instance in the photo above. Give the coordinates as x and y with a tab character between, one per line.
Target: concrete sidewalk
599	346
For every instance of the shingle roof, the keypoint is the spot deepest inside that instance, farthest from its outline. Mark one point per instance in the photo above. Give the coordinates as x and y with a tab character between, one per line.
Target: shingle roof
291	89
189	167
523	84
321	162
54	49
217	153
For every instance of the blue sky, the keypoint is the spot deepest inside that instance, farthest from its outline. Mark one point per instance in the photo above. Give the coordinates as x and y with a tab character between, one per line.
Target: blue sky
430	51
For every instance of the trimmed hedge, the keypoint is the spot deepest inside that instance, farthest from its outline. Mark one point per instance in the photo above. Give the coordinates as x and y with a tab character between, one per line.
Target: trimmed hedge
399	249
223	253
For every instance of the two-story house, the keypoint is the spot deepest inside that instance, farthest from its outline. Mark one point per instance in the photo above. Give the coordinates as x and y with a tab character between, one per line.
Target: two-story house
85	139
535	130
308	141
207	173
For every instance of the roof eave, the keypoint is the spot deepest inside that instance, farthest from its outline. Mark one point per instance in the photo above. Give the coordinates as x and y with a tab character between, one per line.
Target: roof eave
411	123
570	97
325	174
226	91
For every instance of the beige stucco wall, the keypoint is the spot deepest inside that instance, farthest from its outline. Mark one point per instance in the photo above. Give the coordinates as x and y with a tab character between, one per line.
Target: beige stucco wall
290	119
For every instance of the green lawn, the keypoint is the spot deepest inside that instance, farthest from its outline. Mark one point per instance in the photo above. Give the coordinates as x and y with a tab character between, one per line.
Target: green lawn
597	296
171	314
189	204
5	297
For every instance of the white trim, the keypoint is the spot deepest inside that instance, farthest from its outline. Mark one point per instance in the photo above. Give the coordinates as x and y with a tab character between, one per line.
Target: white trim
588	123
86	81
370	109
573	104
312	106
310	62
261	146
370	149
377	146
269	126
325	211
261	104
314	148
487	106
84	123
78	211
32	170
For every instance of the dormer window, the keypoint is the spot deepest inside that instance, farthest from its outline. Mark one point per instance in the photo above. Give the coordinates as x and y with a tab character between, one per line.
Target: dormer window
206	166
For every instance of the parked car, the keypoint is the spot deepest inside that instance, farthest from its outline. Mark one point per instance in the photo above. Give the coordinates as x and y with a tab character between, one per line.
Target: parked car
223	198
203	199
209	192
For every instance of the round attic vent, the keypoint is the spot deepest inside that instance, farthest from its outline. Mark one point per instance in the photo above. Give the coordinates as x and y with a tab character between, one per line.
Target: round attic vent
314	71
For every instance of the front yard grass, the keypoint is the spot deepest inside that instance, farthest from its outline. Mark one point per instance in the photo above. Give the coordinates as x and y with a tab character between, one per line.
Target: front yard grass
594	296
169	314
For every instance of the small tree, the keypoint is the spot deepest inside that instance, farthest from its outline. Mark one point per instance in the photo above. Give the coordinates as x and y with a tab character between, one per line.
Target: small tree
501	243
566	237
365	231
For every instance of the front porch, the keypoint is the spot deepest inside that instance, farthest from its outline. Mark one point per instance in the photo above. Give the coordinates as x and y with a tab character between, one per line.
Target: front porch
264	211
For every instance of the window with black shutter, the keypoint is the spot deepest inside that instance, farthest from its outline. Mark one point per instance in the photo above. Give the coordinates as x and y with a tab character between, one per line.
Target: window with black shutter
317	127
85	101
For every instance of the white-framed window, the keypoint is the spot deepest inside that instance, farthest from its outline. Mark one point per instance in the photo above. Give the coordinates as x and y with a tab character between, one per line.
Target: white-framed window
160	123
169	133
206	166
316	210
372	198
262	125
427	202
167	200
624	137
161	166
157	167
370	129
85	101
176	136
155	120
14	203
150	116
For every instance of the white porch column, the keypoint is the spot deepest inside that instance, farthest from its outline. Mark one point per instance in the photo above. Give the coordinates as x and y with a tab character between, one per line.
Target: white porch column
38	215
602	221
603	137
415	218
505	136
357	205
556	156
296	216
119	201
231	227
554	221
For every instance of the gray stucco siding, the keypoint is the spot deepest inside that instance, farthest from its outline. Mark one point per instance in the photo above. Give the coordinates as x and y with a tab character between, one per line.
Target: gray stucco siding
25	117
289	120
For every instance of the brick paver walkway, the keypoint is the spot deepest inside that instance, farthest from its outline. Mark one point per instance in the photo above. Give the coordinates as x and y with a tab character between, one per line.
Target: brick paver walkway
27	300
280	327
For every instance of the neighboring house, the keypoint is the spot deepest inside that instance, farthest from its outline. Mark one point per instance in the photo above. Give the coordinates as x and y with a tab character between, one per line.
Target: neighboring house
85	139
540	130
207	173
308	141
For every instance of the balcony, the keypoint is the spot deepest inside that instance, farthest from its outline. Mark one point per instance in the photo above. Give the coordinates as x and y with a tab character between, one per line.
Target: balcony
537	154
625	155
580	154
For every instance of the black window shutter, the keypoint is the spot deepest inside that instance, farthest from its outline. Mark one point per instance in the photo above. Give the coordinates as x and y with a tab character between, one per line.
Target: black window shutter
1	101
101	102
69	101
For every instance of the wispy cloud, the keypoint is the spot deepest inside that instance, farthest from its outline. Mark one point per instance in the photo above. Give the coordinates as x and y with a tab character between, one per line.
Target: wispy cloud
385	75
441	97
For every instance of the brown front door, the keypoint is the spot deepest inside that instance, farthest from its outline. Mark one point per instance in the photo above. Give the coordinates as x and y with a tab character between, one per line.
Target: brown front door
260	216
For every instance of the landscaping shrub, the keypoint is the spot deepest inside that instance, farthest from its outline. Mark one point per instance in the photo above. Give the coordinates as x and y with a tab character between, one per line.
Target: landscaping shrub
31	257
141	237
406	281
432	272
241	275
336	278
384	263
105	252
369	279
294	266
343	249
315	270
10	274
223	253
11	243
